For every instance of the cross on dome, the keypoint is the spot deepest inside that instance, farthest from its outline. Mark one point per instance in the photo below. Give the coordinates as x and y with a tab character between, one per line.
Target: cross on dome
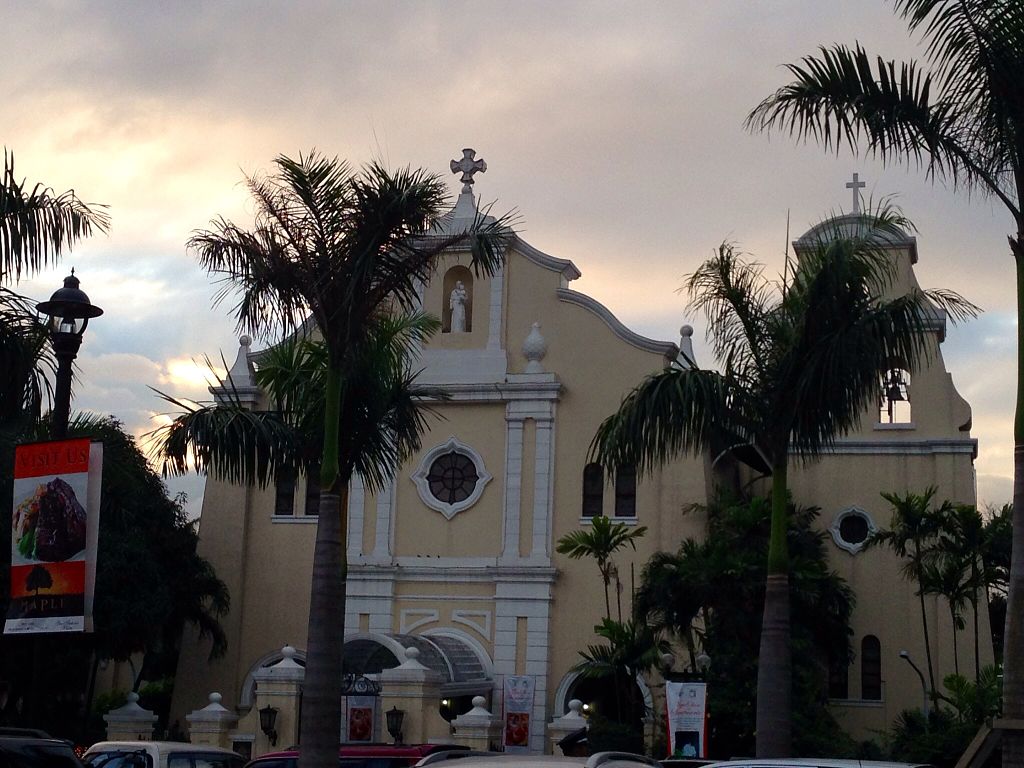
856	185
467	166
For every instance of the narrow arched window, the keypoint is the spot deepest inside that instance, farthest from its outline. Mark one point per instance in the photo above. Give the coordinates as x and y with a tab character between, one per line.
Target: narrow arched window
839	677
313	490
284	492
625	492
870	668
593	490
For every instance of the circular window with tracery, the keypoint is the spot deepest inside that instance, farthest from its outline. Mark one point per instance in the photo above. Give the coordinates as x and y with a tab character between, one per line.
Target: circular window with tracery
451	477
851	529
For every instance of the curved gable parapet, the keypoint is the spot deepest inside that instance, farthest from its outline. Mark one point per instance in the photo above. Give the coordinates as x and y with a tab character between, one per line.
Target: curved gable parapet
567	269
666	349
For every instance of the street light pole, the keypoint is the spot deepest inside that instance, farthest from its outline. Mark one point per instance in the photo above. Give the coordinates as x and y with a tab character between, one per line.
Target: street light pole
905	655
69	311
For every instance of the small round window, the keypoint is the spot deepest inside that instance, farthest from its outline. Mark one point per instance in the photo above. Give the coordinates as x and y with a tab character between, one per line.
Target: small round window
851	529
452	478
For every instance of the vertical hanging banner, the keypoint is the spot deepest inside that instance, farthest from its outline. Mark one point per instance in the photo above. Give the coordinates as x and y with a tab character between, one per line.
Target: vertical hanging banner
686	704
517	706
54	536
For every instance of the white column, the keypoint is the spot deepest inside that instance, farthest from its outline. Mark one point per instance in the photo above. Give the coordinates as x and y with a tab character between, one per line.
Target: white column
513	487
356	503
542	488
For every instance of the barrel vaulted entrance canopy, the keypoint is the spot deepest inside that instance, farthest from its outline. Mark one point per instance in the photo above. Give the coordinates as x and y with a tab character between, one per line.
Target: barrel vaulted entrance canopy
463	670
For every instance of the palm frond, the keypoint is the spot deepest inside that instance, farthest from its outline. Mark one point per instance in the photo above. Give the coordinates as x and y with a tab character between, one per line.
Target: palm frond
37	225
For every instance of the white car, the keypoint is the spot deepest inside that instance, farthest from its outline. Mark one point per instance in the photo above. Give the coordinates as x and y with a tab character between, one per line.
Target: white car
506	760
812	762
159	754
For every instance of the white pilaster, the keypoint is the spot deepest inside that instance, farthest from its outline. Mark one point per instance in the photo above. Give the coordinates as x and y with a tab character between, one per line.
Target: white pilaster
543	489
385	522
513	488
356	504
494	320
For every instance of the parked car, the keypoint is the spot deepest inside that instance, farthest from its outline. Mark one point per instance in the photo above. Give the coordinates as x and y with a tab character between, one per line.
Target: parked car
29	751
812	762
361	755
508	760
159	754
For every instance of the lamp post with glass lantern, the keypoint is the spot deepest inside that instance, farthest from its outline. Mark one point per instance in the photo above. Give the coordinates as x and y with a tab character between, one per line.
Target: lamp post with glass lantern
69	311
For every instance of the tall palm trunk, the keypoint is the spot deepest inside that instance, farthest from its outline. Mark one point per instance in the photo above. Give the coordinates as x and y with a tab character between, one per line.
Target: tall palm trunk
321	702
774	661
321	690
1013	632
924	614
956	651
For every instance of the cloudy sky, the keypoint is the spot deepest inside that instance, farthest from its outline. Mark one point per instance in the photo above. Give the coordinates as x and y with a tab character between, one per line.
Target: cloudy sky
615	129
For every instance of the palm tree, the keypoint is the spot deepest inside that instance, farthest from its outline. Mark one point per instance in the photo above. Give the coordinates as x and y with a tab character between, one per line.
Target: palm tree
962	122
332	250
801	366
961	544
912	535
946	579
36	227
632	649
603	540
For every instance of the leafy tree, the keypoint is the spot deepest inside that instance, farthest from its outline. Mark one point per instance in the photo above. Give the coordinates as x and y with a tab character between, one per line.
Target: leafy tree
38	578
340	248
603	539
960	549
631	650
725	576
801	366
997	539
963	123
945	579
150	583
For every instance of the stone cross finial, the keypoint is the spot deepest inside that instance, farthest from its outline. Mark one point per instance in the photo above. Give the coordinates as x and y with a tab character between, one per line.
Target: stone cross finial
467	166
856	185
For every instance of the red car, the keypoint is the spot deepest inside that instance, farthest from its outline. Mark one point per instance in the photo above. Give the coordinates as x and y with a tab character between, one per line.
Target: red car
360	755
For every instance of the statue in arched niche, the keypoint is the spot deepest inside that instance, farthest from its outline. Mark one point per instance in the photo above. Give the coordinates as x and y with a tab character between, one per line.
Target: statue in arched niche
457	303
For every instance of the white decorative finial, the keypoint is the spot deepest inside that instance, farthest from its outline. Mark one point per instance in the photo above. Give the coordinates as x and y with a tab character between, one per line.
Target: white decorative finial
244	340
856	185
467	166
478	702
686	359
575	707
288	652
132	697
534	349
215	698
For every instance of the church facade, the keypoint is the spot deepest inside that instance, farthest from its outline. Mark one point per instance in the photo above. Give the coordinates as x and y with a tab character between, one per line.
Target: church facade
456	557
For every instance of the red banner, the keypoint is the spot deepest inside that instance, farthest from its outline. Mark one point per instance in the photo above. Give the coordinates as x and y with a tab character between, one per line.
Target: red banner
54	532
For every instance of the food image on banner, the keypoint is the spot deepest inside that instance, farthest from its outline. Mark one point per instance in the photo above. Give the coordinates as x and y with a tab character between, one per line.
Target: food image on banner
52	544
687	711
518	703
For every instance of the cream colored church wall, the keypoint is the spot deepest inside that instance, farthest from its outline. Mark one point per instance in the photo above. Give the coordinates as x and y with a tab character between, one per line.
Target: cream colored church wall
474	532
596	369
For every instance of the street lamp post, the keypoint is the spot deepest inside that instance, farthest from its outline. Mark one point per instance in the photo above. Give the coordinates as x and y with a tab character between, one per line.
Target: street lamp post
905	655
69	311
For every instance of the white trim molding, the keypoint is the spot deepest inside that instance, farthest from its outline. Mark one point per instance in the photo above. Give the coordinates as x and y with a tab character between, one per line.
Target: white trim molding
419	477
666	349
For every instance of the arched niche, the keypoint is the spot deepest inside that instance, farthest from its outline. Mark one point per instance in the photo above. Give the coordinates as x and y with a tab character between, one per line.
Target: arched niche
456	274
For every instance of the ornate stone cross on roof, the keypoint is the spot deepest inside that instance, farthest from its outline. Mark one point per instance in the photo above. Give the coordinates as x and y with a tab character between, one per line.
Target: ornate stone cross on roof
856	185
467	166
